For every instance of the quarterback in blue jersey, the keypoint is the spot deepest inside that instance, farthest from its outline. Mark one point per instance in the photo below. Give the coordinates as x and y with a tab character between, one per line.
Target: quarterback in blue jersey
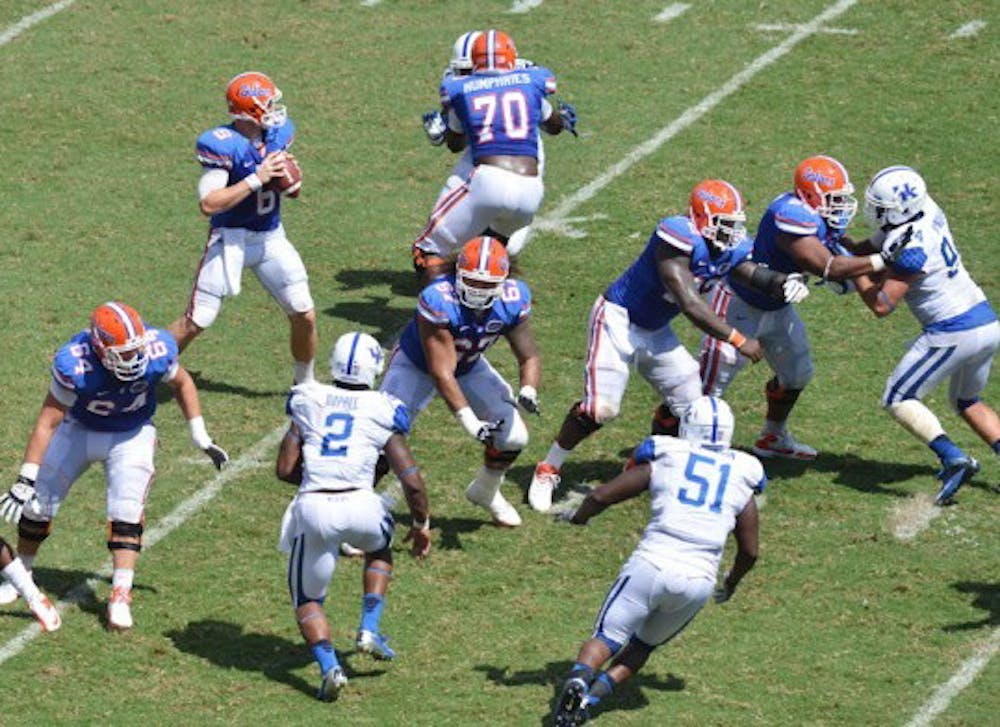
441	352
99	408
801	232
497	111
960	335
630	321
241	163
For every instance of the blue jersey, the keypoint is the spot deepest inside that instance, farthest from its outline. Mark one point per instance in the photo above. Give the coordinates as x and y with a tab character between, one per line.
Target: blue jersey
103	402
640	290
474	331
225	148
500	112
789	214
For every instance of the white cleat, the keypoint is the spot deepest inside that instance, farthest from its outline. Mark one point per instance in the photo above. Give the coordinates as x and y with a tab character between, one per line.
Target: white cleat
502	511
545	480
120	610
8	594
782	445
333	681
45	613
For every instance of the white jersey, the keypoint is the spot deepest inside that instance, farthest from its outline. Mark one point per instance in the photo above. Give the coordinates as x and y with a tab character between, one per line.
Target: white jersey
944	292
343	431
696	494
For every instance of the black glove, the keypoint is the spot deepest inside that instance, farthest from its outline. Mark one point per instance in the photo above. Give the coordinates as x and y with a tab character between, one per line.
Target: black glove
217	454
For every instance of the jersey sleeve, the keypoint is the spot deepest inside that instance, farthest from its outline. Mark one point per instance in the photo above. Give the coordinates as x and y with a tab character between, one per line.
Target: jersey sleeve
645	452
432	306
66	368
214	148
678	233
793	216
398	418
753	472
163	353
543	78
910	261
517	301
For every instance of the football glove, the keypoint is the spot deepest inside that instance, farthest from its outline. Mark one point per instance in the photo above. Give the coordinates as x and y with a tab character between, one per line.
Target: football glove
217	454
434	127
476	427
890	251
794	289
527	397
568	113
565	516
13	502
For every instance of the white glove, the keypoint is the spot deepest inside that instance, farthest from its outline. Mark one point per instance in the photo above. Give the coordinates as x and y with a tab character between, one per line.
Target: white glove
794	289
20	494
434	127
476	427
527	397
199	435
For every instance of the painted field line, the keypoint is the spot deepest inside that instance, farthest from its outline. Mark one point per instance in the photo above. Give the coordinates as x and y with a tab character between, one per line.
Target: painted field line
785	27
258	455
28	20
524	6
912	516
962	678
968	30
555	220
670	12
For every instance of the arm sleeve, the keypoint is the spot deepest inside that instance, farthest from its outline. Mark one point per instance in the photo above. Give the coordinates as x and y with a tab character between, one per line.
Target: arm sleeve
212	179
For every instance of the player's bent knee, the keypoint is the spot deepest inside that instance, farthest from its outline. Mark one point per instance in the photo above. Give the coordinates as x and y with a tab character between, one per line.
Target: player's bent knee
119	530
297	300
516	435
613	646
500	458
960	405
33	531
583	419
204	310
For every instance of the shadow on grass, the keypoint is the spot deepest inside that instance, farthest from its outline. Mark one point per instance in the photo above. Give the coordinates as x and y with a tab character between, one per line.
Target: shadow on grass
452	528
165	393
629	696
573	473
400	282
987	598
375	312
226	645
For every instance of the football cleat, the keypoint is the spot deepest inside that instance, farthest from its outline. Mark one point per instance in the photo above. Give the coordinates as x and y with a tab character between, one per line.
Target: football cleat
955	474
8	594
333	681
543	482
120	609
375	645
502	511
571	709
782	445
45	613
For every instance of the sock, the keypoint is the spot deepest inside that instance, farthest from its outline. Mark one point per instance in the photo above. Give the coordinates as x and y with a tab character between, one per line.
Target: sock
557	455
996	447
28	560
20	578
945	449
324	655
602	687
371	611
583	671
304	371
490	477
122	578
772	427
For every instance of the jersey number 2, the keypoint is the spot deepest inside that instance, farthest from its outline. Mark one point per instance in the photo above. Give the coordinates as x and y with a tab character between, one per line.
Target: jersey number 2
339	426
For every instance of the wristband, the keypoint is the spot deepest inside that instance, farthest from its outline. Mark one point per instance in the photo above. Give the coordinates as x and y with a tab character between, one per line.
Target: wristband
877	262
199	435
29	471
736	338
253	181
425	525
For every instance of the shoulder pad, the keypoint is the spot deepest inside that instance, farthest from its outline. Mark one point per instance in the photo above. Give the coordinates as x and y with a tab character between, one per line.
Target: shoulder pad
679	233
793	216
433	304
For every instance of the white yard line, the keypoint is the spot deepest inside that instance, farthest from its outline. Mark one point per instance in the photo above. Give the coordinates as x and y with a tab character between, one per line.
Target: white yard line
962	678
670	12
257	456
787	27
524	6
370	3
968	30
28	20
555	220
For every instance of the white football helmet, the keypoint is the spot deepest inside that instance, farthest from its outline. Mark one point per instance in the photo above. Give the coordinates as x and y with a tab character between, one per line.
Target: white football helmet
461	53
356	359
708	421
894	196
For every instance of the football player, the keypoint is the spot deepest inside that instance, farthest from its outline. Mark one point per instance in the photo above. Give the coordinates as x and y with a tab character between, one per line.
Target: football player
436	129
801	232
630	321
700	490
330	452
960	330
100	408
239	162
17	577
498	111
441	352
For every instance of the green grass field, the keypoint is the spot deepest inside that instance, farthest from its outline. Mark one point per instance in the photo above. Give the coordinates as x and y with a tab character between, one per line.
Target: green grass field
841	623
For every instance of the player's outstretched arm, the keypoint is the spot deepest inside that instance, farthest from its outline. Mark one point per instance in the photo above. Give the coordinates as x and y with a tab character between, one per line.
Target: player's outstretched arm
186	394
812	256
529	362
786	287
414	490
288	467
628	484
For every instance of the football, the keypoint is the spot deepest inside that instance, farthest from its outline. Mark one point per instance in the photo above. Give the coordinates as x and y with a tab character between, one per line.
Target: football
290	182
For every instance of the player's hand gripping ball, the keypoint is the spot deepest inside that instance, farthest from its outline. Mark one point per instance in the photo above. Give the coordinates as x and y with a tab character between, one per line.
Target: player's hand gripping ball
290	182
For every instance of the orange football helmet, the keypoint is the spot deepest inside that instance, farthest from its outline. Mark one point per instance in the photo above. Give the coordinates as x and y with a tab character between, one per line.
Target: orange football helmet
254	97
118	336
716	209
493	50
480	272
822	183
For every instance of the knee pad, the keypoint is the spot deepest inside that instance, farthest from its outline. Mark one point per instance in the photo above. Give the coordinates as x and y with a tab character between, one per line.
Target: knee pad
963	404
513	436
776	392
34	531
584	420
118	529
637	644
295	298
504	457
204	308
